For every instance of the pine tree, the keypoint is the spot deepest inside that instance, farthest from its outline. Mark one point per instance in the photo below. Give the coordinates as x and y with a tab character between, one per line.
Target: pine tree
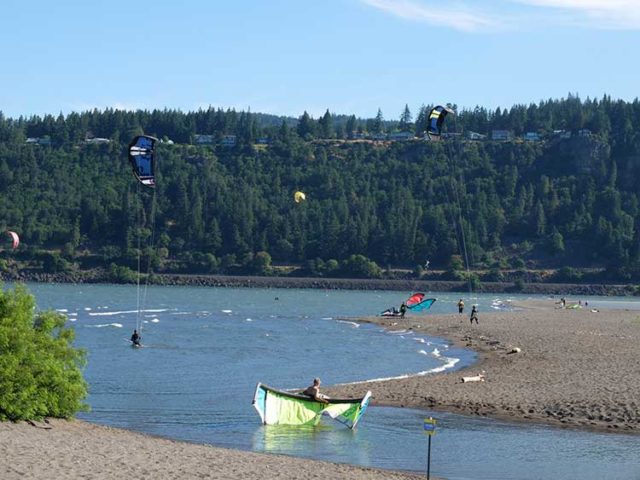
306	127
326	125
405	119
378	123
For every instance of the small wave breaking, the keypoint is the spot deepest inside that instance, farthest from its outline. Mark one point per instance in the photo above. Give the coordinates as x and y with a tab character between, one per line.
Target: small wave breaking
125	312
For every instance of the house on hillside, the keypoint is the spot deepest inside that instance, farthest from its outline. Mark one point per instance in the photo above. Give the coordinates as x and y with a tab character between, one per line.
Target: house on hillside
199	139
474	135
96	141
228	141
501	135
400	136
531	137
451	135
563	134
42	141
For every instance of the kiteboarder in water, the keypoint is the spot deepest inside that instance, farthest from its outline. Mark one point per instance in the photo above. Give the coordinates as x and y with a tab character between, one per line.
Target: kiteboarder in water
135	339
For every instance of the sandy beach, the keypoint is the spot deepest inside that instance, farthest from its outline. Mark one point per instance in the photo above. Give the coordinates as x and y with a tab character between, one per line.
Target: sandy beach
575	368
76	449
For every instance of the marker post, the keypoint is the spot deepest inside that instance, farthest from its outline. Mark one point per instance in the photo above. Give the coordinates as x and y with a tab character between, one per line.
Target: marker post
429	426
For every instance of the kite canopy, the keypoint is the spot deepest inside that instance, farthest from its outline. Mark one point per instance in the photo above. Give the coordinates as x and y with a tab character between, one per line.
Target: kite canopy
142	158
436	120
278	407
299	197
418	302
15	239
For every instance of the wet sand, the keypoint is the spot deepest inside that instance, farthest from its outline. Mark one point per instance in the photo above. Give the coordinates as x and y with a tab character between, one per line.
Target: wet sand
576	368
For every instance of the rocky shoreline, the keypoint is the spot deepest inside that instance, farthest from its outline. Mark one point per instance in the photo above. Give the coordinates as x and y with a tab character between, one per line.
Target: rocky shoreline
241	281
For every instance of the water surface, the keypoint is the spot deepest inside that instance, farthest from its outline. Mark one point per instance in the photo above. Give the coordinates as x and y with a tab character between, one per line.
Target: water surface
206	348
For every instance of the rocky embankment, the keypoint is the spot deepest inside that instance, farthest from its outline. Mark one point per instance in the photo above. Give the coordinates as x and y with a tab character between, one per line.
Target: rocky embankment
237	281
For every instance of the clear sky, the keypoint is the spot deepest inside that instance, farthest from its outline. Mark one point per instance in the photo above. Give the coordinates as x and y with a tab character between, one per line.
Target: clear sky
287	56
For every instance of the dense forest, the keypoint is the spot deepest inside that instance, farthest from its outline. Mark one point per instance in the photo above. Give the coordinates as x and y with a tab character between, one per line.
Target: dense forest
557	188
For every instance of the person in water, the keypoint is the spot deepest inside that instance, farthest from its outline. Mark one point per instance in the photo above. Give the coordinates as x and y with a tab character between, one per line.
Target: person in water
403	309
461	306
313	391
135	338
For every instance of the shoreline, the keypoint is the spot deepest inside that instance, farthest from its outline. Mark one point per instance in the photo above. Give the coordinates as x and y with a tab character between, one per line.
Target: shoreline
249	281
566	373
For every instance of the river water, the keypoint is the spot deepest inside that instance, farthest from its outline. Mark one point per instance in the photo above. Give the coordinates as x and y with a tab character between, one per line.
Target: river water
206	348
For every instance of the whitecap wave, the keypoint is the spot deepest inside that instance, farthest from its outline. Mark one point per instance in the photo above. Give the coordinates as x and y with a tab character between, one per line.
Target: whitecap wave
227	311
124	312
398	332
353	324
103	325
449	363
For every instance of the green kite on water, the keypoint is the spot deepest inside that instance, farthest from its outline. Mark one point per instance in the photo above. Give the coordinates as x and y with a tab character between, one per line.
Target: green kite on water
278	407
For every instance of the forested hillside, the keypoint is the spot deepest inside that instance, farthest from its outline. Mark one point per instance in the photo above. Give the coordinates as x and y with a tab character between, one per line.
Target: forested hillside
566	196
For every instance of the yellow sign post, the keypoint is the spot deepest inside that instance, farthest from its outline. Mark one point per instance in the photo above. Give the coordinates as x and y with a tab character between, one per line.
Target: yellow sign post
429	426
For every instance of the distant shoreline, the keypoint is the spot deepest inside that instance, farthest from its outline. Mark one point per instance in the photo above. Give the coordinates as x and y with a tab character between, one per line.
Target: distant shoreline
241	281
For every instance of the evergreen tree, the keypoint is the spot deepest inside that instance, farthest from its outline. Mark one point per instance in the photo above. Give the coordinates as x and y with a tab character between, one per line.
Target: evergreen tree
378	123
306	126
405	119
326	125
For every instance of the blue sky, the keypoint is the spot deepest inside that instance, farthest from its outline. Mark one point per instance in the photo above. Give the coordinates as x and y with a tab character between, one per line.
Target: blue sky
287	56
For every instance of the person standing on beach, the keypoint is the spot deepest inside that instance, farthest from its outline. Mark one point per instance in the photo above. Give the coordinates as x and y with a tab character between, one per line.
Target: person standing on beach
313	391
403	309
461	306
474	315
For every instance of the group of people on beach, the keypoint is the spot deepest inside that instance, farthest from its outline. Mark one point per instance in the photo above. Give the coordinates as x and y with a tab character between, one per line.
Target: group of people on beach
474	311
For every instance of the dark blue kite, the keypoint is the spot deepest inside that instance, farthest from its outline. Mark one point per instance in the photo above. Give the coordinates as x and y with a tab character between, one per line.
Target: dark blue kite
436	120
142	153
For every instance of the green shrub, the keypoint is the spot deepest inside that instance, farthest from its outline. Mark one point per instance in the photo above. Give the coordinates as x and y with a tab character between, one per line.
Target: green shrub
568	274
475	282
122	274
359	266
40	371
54	263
